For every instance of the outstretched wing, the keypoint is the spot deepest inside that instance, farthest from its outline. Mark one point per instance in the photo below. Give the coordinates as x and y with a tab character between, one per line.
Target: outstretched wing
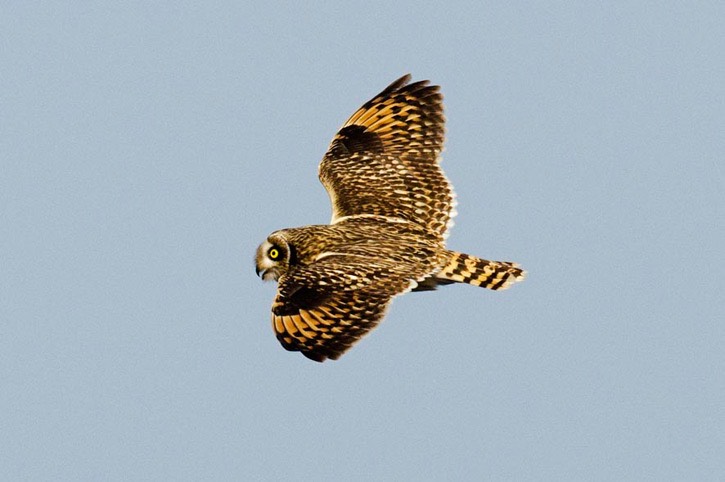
322	309
385	160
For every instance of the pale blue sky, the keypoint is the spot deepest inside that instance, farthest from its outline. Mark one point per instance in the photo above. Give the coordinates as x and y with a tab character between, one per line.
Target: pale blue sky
146	149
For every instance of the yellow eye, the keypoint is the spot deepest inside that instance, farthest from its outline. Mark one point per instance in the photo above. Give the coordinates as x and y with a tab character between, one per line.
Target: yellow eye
273	253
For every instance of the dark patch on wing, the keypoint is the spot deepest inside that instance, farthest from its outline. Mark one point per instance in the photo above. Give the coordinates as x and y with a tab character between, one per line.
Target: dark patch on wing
354	139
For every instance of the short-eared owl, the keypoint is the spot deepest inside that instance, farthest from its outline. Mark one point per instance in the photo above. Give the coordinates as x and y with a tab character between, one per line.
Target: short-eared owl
391	211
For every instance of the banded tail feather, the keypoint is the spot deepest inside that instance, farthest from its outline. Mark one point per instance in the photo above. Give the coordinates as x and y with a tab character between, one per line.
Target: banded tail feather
464	268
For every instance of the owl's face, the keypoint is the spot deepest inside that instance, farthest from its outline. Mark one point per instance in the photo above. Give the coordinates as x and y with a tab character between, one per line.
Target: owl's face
273	257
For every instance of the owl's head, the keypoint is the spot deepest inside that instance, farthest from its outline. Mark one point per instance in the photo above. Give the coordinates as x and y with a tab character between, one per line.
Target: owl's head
273	257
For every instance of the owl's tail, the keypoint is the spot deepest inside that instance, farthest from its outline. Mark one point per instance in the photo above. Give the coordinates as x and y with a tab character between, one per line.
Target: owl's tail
464	268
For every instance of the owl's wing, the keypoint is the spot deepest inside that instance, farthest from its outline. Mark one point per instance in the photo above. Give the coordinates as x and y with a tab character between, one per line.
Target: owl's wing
385	160
322	309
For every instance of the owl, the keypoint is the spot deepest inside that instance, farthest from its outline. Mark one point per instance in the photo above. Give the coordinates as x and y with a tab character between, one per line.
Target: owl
392	209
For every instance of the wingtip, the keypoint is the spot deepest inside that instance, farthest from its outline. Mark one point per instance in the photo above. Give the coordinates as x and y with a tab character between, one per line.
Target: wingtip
318	357
399	83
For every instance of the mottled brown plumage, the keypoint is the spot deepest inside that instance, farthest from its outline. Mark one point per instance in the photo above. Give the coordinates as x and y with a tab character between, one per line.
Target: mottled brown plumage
392	207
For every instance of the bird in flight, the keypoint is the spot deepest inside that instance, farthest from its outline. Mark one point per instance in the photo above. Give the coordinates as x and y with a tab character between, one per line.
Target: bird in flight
392	208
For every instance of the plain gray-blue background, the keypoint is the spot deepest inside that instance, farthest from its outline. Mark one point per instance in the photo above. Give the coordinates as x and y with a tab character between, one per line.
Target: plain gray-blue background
146	149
